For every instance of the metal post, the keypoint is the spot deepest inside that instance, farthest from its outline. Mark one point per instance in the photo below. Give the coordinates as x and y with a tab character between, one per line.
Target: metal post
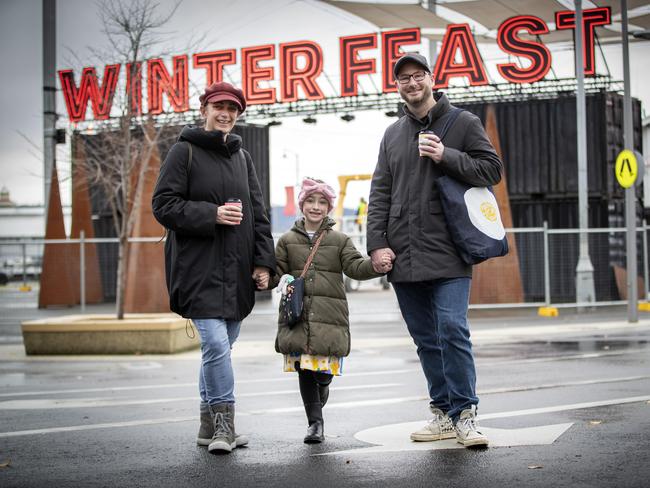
630	197
82	270
547	268
49	98
645	260
585	290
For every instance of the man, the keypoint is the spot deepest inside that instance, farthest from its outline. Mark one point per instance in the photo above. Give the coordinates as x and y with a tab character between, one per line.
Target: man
405	221
219	248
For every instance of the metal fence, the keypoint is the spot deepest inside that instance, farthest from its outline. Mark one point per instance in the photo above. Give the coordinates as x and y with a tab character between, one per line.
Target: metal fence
547	260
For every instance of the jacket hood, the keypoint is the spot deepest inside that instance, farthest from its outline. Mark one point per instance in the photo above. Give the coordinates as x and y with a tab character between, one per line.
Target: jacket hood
211	140
441	107
327	224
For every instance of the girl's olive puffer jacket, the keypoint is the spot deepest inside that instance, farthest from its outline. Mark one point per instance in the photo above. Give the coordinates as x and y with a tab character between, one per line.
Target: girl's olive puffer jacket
324	328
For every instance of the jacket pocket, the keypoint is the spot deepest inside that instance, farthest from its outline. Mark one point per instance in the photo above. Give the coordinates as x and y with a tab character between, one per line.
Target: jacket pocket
435	207
395	211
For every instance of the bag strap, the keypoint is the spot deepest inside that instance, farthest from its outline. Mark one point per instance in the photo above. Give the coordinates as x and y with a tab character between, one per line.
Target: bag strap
189	167
451	118
187	186
311	255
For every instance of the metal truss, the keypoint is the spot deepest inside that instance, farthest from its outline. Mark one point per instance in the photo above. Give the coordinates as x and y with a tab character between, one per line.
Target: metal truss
387	102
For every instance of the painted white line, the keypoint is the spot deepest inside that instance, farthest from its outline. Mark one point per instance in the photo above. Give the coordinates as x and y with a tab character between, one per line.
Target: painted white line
135	423
544	386
76	428
353	404
479	363
48	404
564	408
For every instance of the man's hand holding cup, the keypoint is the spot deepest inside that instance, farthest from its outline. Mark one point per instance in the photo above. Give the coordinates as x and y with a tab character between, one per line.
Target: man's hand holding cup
430	145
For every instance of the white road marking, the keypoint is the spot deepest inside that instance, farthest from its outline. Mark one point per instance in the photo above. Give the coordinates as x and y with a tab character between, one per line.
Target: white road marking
395	437
347	375
51	403
134	423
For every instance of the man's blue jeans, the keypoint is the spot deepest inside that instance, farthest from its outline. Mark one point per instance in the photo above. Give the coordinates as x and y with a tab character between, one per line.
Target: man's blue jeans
216	379
436	316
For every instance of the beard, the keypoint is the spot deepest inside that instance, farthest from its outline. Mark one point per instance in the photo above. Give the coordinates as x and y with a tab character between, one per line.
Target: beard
415	99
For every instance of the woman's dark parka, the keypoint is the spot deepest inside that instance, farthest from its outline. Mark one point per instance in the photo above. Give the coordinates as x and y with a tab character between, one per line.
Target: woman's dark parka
209	266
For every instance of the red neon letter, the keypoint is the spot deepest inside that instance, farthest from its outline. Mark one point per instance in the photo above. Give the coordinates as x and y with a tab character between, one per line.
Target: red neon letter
351	65
252	74
590	19
390	44
213	63
159	81
538	53
101	99
134	86
459	36
291	76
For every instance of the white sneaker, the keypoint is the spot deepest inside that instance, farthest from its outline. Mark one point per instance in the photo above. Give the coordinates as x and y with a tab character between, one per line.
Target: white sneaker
439	427
466	429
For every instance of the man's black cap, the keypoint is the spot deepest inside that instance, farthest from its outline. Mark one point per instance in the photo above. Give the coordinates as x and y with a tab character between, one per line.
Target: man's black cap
412	58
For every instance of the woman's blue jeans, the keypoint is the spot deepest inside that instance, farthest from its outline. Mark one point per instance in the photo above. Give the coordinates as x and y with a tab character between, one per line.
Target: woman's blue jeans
216	379
435	313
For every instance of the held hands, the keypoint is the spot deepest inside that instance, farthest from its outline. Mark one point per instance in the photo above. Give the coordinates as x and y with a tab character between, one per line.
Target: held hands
431	147
261	276
382	259
229	215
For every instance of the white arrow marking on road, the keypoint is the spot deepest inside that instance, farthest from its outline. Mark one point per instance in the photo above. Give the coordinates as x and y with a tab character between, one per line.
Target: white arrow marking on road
395	437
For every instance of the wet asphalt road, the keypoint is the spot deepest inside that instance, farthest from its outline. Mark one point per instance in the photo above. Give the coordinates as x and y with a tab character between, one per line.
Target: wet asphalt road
132	420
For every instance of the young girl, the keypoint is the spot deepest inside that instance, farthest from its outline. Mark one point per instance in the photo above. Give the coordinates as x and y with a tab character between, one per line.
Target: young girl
316	345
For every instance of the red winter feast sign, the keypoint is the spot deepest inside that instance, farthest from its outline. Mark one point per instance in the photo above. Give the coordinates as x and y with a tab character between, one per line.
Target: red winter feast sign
301	64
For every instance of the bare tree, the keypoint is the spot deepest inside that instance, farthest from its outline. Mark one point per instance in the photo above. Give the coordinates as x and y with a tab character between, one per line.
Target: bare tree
116	161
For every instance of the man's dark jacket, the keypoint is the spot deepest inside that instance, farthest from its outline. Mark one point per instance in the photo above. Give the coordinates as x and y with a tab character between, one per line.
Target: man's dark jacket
405	212
209	266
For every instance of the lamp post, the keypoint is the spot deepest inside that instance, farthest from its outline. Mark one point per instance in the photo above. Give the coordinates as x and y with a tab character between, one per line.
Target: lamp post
585	289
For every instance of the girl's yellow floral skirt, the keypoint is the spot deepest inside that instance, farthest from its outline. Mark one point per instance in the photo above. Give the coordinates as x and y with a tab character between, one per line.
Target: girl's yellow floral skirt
325	364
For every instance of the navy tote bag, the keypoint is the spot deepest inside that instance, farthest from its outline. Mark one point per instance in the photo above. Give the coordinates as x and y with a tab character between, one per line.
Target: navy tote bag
472	215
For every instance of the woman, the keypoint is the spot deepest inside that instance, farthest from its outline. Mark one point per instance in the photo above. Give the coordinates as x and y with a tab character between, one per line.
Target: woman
219	248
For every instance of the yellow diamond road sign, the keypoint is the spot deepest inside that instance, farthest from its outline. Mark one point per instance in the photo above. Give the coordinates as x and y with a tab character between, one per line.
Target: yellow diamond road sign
627	168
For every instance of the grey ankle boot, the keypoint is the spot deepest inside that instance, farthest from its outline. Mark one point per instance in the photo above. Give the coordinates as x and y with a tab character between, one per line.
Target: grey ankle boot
223	421
206	429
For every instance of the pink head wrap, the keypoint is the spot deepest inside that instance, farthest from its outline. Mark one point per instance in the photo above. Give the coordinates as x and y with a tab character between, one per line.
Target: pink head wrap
309	187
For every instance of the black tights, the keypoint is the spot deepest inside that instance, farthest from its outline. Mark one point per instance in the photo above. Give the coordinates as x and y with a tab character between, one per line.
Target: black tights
309	382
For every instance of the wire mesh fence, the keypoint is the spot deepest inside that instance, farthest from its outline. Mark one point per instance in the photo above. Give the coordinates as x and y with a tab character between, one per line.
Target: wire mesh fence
546	261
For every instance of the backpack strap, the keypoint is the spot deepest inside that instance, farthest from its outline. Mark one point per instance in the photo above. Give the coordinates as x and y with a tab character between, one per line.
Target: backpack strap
451	118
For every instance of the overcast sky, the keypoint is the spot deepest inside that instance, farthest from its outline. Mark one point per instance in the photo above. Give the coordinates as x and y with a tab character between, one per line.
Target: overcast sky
326	149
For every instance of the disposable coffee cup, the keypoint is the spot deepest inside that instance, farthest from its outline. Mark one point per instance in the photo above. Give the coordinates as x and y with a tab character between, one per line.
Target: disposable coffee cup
422	137
234	202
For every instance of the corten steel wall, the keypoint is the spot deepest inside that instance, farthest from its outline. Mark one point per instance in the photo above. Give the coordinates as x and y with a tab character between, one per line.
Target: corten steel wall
538	141
255	141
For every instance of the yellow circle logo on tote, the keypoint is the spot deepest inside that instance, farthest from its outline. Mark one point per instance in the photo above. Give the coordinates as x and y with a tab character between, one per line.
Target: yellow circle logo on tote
488	211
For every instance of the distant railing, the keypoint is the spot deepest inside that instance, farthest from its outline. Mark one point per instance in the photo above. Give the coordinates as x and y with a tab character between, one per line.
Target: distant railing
547	260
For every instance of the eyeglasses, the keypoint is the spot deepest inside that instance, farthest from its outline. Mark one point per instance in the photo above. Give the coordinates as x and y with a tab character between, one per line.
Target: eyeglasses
417	76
